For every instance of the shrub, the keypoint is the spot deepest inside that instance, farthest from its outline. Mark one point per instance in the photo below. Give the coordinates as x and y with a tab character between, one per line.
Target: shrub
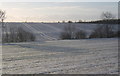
68	32
80	35
103	31
18	35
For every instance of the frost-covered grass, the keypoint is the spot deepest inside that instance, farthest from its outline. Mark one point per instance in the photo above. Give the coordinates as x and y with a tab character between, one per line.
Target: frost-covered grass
85	56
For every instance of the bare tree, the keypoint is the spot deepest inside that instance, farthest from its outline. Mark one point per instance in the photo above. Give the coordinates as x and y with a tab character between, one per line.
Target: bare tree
108	29
81	34
18	35
104	30
2	17
107	15
68	32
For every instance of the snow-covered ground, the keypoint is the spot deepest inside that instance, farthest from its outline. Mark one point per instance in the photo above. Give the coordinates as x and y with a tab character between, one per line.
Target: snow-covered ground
85	56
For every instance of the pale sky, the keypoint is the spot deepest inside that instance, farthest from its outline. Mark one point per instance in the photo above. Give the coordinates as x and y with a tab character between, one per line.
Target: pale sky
56	11
59	0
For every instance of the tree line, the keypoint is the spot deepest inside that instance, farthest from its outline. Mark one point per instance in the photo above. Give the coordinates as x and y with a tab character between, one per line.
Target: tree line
69	32
101	31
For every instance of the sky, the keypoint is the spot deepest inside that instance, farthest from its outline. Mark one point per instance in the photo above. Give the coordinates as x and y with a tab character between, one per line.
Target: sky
56	11
59	0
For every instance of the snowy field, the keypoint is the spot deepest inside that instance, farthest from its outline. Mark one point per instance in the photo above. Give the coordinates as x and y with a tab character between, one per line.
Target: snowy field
85	56
51	31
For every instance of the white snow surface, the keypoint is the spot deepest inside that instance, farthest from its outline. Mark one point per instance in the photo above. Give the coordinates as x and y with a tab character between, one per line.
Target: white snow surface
85	56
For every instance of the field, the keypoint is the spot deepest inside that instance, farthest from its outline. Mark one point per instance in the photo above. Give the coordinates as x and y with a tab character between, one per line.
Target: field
51	31
63	38
85	56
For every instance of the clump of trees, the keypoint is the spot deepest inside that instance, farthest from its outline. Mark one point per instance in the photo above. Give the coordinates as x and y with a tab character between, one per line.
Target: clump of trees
17	35
107	15
104	30
81	35
118	34
70	32
101	31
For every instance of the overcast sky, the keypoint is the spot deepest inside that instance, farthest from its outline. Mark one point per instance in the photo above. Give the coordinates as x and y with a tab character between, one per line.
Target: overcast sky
59	0
56	11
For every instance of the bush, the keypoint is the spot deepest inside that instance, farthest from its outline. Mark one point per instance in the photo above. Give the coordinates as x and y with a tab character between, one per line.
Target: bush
17	35
81	35
117	34
103	31
70	32
65	35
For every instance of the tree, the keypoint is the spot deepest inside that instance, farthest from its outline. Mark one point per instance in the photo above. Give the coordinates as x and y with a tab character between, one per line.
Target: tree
18	35
107	16
70	22
2	17
68	32
118	34
104	30
81	34
24	36
108	29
